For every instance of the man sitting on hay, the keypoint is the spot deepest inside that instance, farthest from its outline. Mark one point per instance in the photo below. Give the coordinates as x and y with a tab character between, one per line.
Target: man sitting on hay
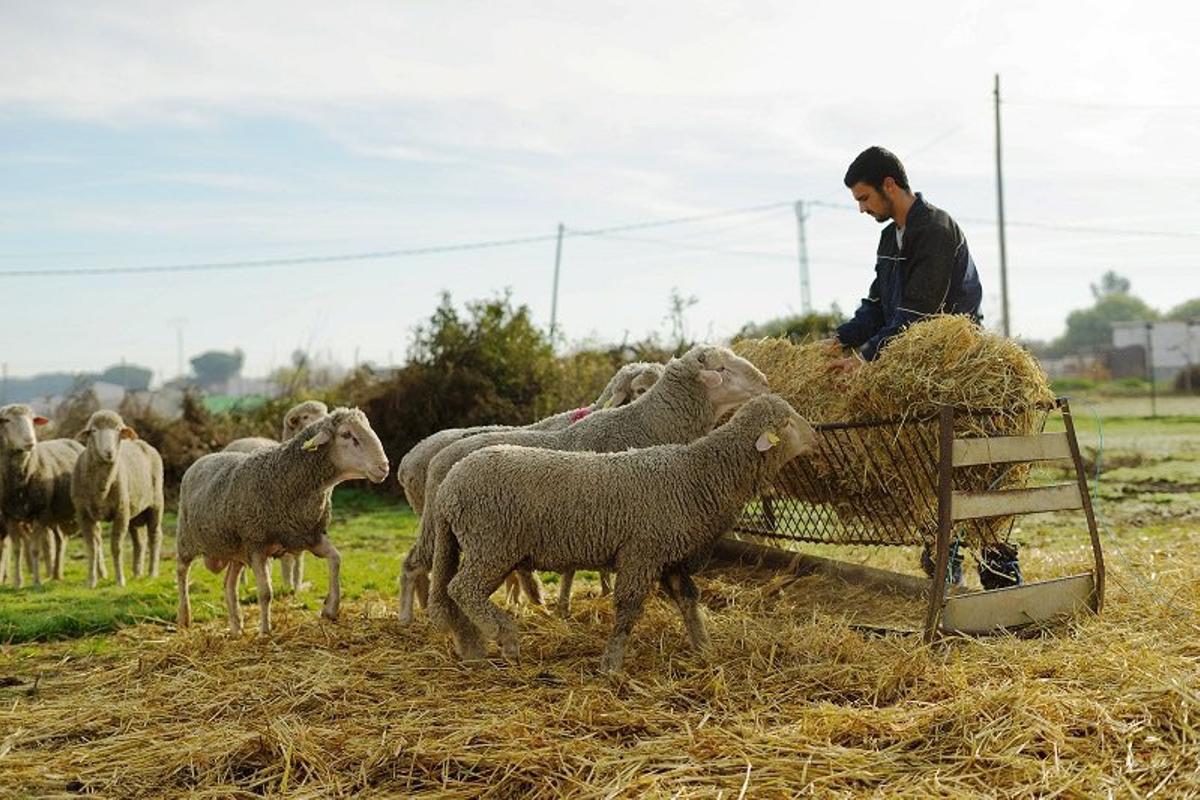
922	267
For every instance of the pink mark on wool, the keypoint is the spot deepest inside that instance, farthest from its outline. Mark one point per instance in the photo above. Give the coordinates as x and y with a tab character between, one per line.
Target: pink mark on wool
580	413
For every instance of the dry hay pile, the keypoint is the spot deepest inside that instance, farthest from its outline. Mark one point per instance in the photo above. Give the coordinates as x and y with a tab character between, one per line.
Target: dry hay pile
884	478
791	700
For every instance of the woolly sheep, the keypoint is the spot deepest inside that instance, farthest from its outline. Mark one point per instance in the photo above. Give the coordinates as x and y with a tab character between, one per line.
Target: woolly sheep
653	515
241	508
35	488
629	383
118	479
298	417
694	391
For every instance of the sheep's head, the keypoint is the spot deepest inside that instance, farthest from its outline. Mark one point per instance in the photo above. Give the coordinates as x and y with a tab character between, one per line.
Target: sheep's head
729	379
300	416
646	377
628	384
353	447
103	435
782	434
17	427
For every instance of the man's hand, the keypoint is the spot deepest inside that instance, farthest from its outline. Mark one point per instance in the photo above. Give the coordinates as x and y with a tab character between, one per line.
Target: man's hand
846	366
831	344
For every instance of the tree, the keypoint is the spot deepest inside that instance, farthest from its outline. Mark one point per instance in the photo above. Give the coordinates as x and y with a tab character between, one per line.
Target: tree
130	376
1187	310
1091	328
215	367
1110	283
796	327
495	340
677	310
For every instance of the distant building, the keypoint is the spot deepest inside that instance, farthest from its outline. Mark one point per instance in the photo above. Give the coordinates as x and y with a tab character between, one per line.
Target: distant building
1172	345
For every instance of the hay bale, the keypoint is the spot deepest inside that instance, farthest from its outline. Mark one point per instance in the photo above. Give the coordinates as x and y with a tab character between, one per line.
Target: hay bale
882	478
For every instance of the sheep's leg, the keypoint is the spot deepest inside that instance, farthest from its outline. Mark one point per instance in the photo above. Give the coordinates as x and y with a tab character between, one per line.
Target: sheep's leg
628	597
47	550
333	601
512	589
120	527
33	540
18	546
531	584
471	589
231	597
60	555
285	571
298	572
261	564
89	531
409	573
565	579
682	589
421	588
4	548
605	583
138	536
155	532
183	617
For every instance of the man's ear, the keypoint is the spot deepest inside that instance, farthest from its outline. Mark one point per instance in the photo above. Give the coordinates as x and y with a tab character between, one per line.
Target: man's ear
40	421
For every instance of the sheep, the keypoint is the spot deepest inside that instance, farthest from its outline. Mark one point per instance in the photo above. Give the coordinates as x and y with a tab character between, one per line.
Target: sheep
35	489
239	508
291	567
629	383
118	479
653	515
694	391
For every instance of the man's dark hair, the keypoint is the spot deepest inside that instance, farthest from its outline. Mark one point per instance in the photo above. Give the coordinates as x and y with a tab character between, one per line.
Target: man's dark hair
873	165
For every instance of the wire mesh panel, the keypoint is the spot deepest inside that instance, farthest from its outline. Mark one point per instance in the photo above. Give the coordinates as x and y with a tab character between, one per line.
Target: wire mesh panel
876	483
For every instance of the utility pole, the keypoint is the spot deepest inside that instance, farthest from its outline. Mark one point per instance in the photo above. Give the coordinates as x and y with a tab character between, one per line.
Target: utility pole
1000	219
177	323
805	292
1150	368
554	297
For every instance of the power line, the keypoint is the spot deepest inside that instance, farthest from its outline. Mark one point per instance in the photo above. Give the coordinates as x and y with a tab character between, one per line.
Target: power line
381	254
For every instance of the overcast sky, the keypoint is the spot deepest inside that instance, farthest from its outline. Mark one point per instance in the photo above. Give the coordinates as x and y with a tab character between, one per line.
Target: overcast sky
143	134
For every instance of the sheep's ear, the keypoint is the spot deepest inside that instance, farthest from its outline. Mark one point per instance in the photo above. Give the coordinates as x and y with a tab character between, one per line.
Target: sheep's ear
128	433
40	421
710	378
292	422
317	441
83	435
618	398
765	442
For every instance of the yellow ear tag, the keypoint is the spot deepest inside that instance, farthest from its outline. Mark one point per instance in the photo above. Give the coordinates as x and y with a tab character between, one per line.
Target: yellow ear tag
608	403
772	438
311	444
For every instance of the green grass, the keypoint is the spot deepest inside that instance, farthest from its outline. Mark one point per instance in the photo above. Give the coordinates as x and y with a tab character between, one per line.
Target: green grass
371	532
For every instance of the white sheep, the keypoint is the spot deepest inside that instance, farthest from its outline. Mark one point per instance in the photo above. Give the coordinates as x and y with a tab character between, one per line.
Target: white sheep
297	418
694	391
629	383
118	479
242	508
35	489
652	515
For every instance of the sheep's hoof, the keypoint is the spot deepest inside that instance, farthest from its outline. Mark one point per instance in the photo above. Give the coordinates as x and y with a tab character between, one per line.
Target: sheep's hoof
405	616
611	663
330	614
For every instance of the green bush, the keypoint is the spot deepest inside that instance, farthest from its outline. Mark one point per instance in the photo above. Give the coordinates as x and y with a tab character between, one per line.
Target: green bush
1067	385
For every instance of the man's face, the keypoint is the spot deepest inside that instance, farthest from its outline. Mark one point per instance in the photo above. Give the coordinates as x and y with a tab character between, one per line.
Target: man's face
872	201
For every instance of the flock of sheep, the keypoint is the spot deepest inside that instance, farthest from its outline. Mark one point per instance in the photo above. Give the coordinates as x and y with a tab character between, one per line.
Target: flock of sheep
641	484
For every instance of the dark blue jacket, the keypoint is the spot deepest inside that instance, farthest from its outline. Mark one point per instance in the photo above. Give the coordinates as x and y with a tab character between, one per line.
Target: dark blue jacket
932	273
